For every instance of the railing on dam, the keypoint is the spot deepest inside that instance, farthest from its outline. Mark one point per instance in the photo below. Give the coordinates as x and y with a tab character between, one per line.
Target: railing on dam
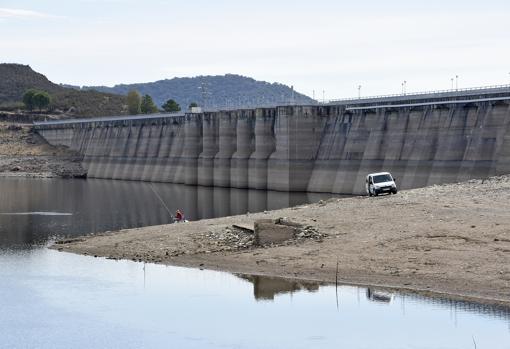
412	104
427	96
147	117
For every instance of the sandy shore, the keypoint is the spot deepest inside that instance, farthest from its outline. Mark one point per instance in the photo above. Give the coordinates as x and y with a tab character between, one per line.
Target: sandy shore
450	239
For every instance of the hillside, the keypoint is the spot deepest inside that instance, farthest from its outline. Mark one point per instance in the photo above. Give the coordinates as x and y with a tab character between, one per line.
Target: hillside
225	91
16	79
212	92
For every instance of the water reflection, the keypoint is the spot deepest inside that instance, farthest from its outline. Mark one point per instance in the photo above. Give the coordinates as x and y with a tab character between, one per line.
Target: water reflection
31	210
492	311
266	288
378	296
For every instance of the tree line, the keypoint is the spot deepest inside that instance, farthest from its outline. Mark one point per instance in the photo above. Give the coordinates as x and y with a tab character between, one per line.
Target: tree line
36	99
136	104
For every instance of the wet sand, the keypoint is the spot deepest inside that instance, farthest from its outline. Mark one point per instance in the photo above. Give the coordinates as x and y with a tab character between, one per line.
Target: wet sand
441	240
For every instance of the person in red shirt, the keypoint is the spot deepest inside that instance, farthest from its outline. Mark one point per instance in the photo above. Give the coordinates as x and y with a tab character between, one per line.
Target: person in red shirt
179	217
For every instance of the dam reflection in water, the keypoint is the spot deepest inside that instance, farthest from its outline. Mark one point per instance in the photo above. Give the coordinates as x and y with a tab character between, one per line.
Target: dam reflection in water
33	209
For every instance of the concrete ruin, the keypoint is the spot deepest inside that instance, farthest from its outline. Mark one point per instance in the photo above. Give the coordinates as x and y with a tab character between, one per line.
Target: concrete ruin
268	232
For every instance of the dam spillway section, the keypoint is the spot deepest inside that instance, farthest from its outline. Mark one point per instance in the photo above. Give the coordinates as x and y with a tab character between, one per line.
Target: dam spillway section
421	139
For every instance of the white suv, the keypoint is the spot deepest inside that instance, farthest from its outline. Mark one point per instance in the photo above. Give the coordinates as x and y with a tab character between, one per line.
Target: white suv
378	183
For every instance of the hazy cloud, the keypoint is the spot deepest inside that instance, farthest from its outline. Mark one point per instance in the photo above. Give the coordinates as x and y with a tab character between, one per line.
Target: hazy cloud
23	14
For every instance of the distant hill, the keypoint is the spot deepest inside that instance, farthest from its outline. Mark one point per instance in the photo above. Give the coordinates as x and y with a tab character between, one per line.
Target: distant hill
16	79
215	92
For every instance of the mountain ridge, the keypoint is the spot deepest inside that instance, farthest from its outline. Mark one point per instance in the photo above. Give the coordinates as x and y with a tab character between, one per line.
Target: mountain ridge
229	91
16	79
213	91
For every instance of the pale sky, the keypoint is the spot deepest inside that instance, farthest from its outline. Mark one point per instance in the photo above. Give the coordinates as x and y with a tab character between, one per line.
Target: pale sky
314	45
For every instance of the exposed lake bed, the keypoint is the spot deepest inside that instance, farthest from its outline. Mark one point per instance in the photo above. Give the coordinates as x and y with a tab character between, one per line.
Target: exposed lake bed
449	239
23	153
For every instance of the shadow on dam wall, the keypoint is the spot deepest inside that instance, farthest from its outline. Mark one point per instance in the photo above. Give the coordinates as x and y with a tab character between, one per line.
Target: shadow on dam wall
326	149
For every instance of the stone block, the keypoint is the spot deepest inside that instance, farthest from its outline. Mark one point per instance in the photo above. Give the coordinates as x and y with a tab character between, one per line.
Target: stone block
267	232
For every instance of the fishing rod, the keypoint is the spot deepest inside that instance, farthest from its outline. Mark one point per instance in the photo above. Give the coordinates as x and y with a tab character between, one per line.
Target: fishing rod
161	200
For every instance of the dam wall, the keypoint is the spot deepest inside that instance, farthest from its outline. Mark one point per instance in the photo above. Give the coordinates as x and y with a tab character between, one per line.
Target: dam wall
327	148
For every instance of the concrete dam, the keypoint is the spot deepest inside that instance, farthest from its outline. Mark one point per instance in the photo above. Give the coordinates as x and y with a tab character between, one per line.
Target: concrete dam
421	139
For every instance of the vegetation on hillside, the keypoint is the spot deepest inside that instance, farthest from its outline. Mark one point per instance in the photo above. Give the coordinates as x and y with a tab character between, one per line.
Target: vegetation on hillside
36	99
90	103
211	92
147	106
171	106
17	79
134	101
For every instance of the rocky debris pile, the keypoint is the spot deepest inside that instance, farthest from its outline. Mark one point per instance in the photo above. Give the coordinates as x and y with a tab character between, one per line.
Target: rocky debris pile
230	239
310	233
265	233
71	169
68	241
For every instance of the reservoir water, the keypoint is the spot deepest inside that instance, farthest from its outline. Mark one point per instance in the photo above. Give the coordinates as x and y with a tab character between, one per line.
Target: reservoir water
50	299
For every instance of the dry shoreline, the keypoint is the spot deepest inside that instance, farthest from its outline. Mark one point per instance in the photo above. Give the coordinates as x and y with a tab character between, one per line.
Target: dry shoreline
23	153
442	240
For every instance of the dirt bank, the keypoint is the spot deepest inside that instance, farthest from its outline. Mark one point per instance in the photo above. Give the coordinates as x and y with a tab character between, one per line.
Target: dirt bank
449	239
24	153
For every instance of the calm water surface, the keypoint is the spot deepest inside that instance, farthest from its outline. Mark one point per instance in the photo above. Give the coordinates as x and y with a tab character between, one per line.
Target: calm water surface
50	299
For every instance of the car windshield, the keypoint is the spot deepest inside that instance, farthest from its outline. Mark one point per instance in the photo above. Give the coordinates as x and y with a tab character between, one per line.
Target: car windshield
382	178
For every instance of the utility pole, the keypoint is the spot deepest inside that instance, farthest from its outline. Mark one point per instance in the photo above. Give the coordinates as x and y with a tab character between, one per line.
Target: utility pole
457	82
205	92
359	91
452	82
